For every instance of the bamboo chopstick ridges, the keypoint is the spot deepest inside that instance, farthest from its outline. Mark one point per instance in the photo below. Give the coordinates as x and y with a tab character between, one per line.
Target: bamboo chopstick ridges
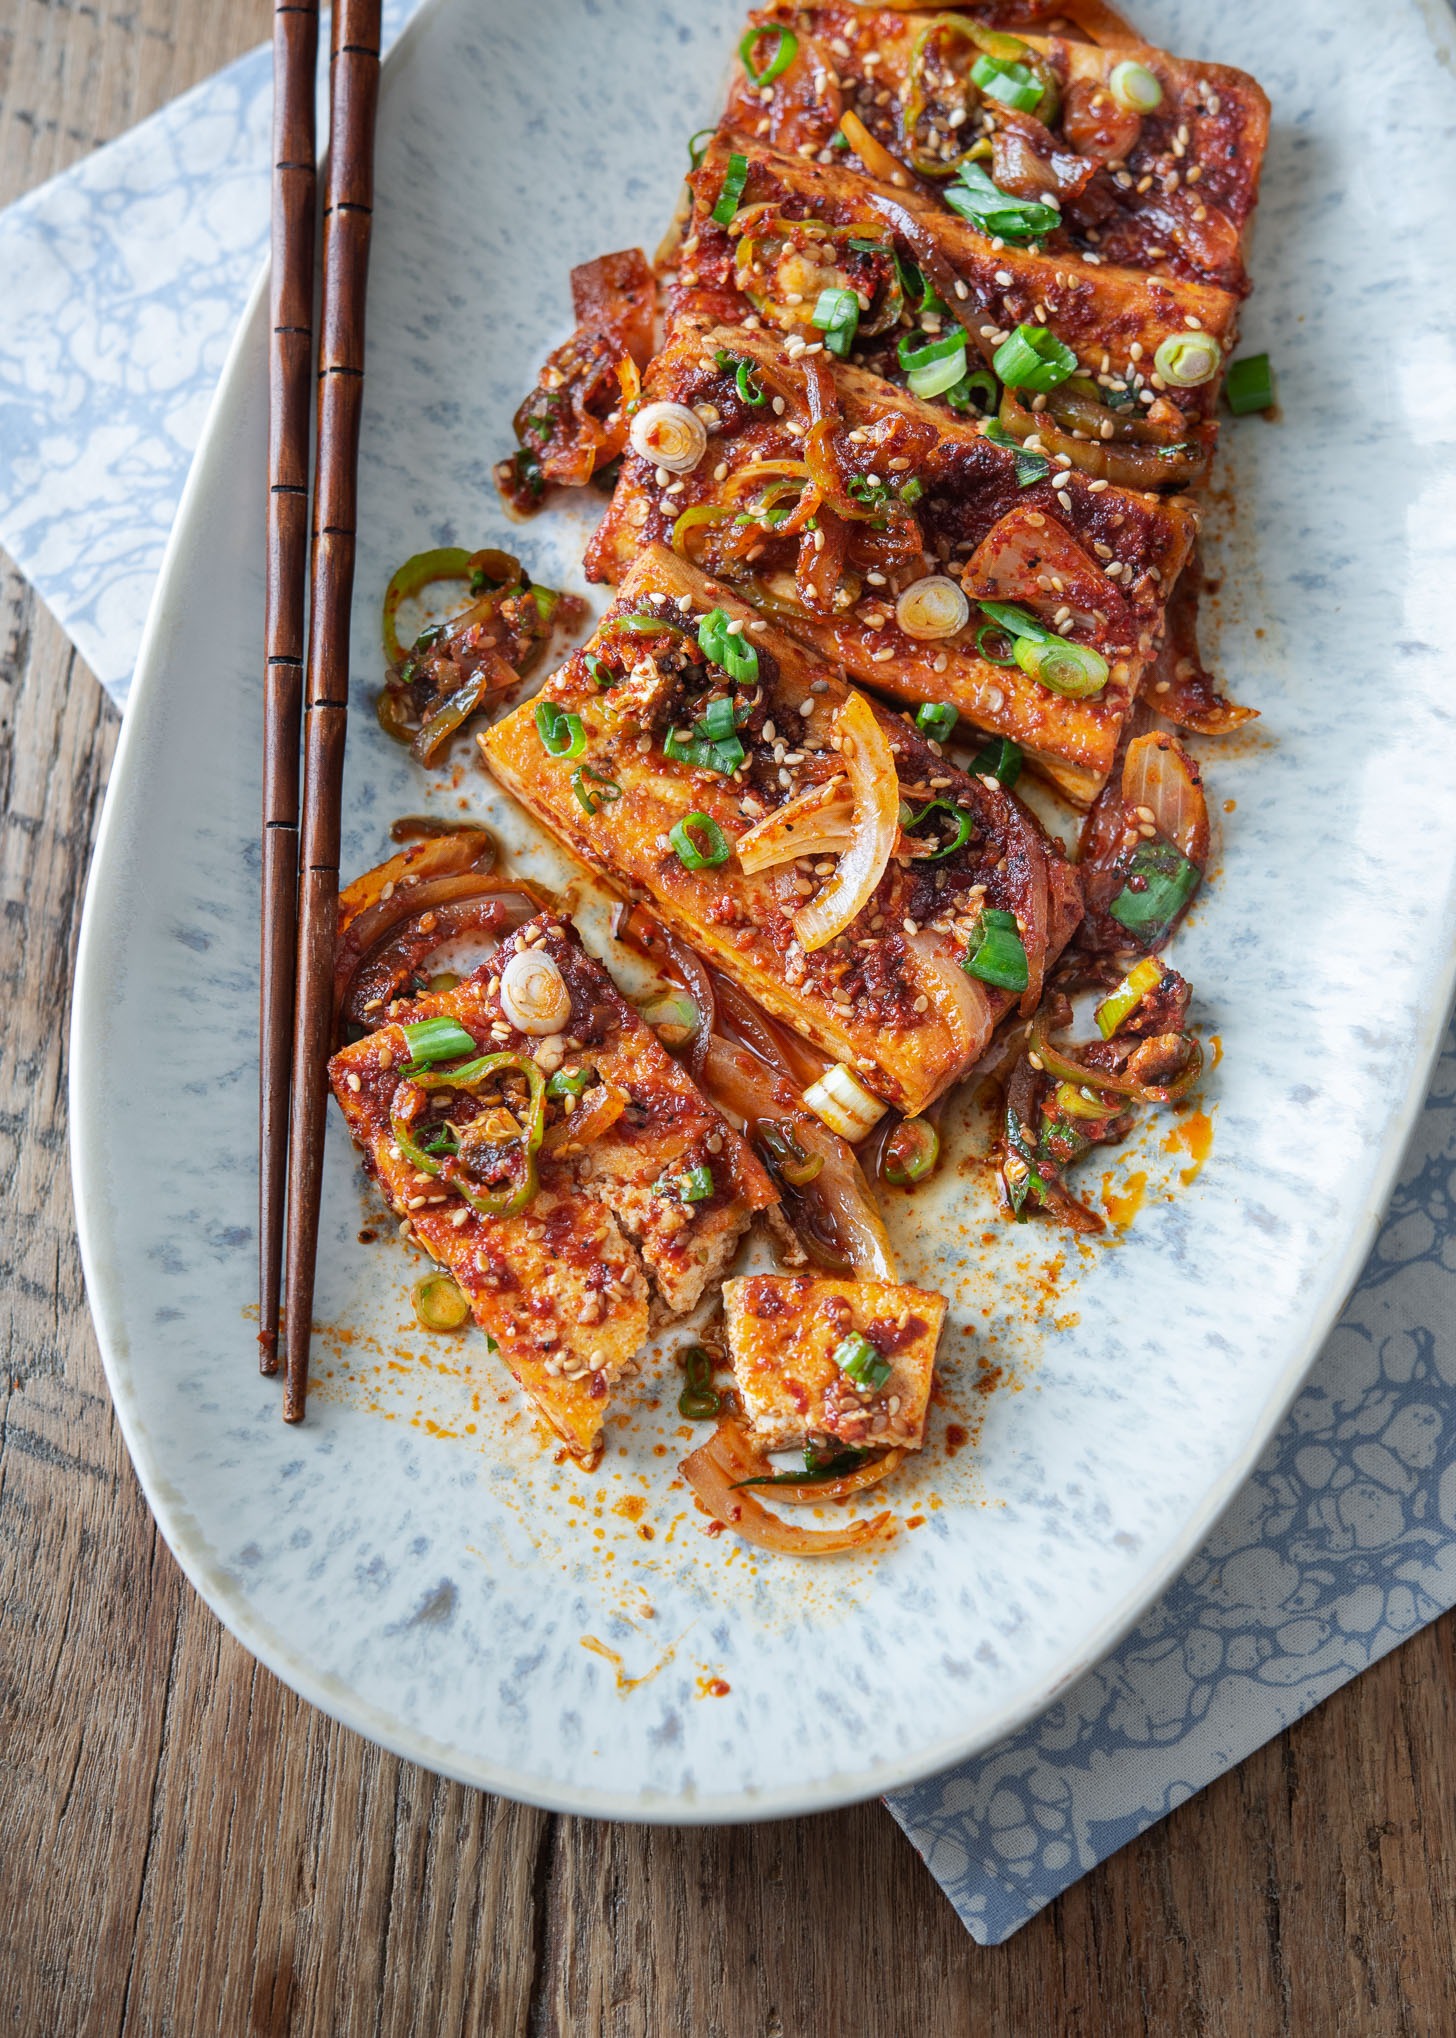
348	219
290	388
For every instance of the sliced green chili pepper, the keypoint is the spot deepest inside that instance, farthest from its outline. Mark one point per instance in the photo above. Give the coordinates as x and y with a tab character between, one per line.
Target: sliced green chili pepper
507	1202
697	1401
965	826
858	1360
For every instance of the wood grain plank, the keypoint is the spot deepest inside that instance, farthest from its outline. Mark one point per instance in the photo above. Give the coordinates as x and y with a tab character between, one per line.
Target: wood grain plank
186	1848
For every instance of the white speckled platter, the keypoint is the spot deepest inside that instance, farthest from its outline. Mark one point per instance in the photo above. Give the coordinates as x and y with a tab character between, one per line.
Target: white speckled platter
413	1559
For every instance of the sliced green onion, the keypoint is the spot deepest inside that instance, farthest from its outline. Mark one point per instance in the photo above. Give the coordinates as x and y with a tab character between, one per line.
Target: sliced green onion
599	793
727	647
964	825
1135	88
441	1039
996	212
1018	623
1033	358
998	957
834	1466
933	366
695	1186
747	388
837	317
561	732
978	390
990	635
1188	359
697	1401
910	1153
689	854
1160	882
785	50
1075	670
1030	467
937	719
733	182
1000	759
912	490
441	1140
698	145
1120	1004
858	1360
439	1304
570	1082
1013	84
1250	385
598	671
704	755
719	719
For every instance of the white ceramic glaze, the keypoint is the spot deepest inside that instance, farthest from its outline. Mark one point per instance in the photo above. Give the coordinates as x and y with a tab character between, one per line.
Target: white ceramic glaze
413	1559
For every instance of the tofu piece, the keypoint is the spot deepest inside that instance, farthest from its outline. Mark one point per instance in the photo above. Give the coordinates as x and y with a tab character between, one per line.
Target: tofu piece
888	996
1112	554
1211	129
565	1287
783	1331
1113	319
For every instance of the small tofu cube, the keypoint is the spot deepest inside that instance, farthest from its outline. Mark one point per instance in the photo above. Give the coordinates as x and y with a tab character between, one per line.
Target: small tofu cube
784	1331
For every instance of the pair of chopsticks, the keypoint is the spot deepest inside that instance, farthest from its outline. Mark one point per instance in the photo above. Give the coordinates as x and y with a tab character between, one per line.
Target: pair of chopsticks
306	683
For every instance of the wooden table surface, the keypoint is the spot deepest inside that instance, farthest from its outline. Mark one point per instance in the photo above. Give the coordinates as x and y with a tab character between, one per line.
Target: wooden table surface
187	1848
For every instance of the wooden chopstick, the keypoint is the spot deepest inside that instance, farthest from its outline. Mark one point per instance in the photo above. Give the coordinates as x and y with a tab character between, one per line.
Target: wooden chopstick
290	388
348	218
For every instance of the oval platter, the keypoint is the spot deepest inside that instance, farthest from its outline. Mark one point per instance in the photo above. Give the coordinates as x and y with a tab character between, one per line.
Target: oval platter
413	1559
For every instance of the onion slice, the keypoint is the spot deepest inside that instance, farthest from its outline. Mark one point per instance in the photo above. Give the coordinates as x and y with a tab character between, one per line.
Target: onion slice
815	822
715	1473
960	999
1158	773
870	763
858	1481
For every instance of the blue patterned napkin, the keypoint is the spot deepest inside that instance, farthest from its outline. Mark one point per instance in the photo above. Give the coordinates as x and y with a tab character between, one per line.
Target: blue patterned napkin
125	278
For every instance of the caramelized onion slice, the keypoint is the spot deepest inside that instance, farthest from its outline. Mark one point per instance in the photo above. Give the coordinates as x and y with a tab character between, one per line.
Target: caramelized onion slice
960	999
1158	773
599	1109
816	822
715	1472
437	855
870	763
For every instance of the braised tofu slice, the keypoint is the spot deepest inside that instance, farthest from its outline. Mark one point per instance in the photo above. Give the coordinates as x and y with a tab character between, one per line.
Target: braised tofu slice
804	227
772	800
640	1183
1057	547
822	1361
1167	187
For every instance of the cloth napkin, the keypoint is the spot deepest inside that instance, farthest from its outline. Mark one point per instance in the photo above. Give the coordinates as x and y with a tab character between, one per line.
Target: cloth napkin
125	278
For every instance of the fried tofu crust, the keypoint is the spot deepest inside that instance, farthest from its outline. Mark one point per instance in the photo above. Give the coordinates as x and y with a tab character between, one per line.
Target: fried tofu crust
564	1287
888	996
783	1331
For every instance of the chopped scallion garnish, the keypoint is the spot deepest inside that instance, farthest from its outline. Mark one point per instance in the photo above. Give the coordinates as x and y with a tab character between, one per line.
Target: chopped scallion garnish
837	317
1017	623
728	647
748	390
1160	881
996	212
858	1360
932	367
1119	1005
937	719
1000	759
699	841
593	789
561	732
719	719
1013	84
439	1039
1075	670
698	145
734	180
1250	385
997	956
1033	358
